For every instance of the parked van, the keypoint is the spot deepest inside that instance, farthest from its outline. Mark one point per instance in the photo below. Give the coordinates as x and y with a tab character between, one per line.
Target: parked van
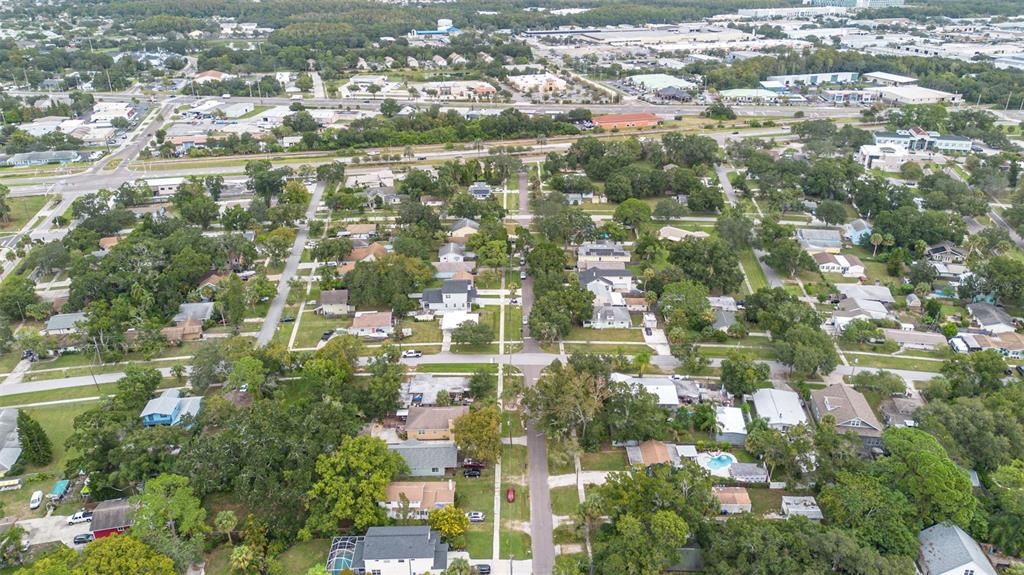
36	501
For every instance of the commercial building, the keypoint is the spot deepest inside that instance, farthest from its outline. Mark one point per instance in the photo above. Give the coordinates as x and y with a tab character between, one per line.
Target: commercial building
915	95
815	79
887	79
655	82
43	158
919	139
620	121
545	83
859	4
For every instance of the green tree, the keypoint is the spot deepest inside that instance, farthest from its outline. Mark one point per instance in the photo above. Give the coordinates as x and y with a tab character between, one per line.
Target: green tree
248	373
226	522
741	375
231	302
17	293
877	515
883	382
451	522
122	555
171	519
350	482
482	384
632	213
831	212
478	433
36	448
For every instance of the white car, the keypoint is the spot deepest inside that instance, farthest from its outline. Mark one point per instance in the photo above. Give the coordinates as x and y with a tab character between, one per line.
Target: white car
82	516
412	353
476	516
36	500
522	275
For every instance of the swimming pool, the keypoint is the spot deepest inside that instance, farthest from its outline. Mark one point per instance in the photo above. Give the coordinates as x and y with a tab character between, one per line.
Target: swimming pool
717	464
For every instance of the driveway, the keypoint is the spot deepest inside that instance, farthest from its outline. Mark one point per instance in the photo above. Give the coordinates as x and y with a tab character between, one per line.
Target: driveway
52	528
658	341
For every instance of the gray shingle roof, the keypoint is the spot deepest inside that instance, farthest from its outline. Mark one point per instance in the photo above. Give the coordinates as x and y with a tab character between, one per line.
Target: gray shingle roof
162	405
111	514
945	547
420	454
64	321
10	442
463	223
988	314
414	542
334	297
592	274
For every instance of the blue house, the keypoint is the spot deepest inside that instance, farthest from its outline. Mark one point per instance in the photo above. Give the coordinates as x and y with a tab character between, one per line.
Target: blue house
856	231
169	408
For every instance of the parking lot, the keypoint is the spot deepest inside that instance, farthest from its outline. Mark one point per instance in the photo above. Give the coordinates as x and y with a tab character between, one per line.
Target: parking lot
52	528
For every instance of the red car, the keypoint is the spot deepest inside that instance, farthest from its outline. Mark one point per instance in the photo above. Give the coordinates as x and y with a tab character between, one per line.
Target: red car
473	464
510	495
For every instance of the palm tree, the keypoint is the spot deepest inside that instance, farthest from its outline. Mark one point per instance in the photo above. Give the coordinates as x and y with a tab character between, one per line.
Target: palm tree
876	240
641	362
705	418
178	371
226	522
243	558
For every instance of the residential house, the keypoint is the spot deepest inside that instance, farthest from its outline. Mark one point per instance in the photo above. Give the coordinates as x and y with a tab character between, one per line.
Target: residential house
847	265
609	317
650	452
851	412
913	302
922	340
674	234
732	500
422	388
732	427
377	324
954	273
200	312
990	318
453	253
111	517
724	303
453	295
169	408
804	506
724	319
381	197
856	231
480	191
427	458
815	240
368	253
601	254
620	281
946	252
390	551
10	440
108	242
188	330
333	303
947	550
463	228
422	498
880	294
781	409
64	323
433	423
360	231
662	387
1009	345
899	411
431	201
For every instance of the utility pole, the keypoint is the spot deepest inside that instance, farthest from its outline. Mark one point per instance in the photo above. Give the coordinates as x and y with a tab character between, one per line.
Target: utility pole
109	85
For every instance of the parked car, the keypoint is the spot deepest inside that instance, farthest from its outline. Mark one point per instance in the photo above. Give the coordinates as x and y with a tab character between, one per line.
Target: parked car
36	500
327	335
483	569
475	516
288	319
1020	370
471	473
648	331
82	516
412	353
473	464
522	275
83	538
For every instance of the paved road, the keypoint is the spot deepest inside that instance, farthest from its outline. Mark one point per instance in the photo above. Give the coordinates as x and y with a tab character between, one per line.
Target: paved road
541	526
290	267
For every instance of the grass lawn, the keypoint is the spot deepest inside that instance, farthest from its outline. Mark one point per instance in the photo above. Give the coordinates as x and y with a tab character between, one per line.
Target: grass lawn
753	271
895	362
422	331
628	349
514	544
312	326
511	423
8	361
588	334
23	209
57	422
218	561
301	556
564	500
513	463
764	500
614	460
520	509
513	323
567	533
479	543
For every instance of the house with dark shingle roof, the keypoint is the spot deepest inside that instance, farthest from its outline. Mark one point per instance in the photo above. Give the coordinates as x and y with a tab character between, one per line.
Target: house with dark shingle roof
453	295
111	517
427	458
400	550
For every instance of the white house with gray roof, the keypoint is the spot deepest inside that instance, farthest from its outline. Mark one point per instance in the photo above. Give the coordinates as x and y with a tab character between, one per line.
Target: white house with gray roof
397	551
609	317
453	295
815	240
948	550
601	254
201	312
991	318
63	323
618	280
